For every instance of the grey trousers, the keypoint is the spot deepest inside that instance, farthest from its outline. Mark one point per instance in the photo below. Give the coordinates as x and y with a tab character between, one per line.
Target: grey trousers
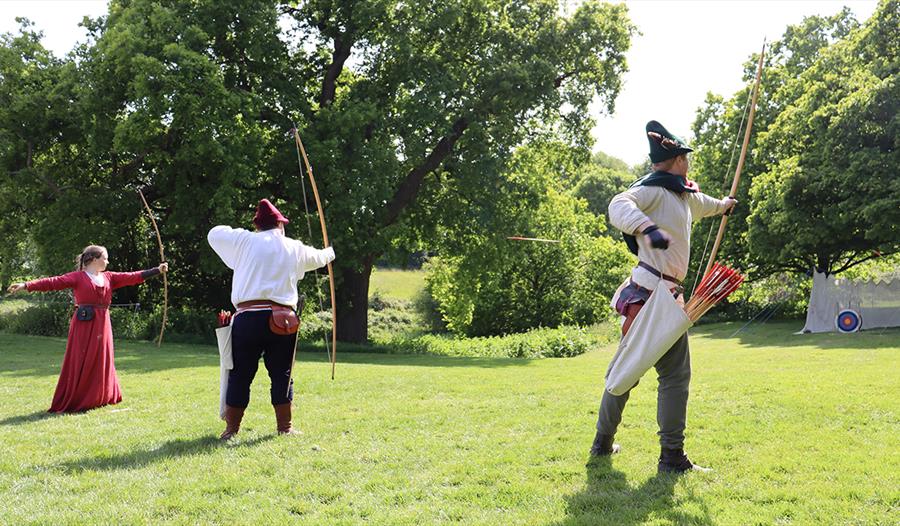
674	370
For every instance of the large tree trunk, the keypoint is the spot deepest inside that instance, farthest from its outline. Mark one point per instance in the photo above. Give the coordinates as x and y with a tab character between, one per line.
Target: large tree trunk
353	303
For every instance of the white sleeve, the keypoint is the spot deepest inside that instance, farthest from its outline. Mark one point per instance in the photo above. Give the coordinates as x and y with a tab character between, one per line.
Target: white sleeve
626	210
703	205
225	241
309	258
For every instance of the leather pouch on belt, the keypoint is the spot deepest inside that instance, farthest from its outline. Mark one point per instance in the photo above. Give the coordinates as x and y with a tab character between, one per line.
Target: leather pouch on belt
85	313
284	321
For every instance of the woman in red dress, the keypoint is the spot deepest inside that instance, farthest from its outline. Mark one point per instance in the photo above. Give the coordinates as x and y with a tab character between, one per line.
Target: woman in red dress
88	377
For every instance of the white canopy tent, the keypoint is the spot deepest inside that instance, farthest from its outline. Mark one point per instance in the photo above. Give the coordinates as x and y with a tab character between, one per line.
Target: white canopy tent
876	302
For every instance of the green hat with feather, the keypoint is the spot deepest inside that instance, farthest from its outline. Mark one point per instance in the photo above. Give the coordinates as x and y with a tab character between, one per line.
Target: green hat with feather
663	144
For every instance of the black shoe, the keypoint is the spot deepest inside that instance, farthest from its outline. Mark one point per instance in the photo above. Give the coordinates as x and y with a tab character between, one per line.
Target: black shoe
603	446
675	461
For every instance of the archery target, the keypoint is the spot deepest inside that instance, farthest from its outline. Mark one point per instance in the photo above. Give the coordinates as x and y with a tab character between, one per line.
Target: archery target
848	321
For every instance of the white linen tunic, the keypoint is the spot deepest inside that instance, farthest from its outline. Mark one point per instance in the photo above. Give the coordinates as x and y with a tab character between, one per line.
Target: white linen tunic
267	265
673	213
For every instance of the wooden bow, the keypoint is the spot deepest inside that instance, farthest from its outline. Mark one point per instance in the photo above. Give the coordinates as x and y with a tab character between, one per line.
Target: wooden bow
302	151
740	165
162	259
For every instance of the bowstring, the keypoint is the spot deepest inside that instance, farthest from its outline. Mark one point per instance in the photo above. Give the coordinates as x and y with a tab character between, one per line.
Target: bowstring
728	171
310	234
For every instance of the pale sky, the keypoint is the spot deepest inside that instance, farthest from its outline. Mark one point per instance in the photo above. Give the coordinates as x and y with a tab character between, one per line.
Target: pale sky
703	44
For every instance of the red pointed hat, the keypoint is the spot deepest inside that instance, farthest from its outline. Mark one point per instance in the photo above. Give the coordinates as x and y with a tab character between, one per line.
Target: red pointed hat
267	215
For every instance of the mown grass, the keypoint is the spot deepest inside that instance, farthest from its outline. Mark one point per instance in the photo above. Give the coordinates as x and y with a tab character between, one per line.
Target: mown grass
397	284
799	429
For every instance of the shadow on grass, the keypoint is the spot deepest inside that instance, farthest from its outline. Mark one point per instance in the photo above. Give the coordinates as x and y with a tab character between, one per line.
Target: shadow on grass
170	449
27	419
608	499
42	356
783	334
360	356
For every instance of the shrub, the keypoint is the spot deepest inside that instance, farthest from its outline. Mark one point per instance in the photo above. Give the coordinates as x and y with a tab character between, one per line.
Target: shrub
561	342
426	307
504	287
315	324
780	296
183	325
50	319
130	324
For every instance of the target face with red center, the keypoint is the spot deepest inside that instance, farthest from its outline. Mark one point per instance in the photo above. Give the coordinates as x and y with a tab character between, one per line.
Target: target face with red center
848	321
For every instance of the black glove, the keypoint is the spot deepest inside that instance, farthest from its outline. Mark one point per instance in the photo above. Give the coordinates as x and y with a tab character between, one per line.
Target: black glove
657	238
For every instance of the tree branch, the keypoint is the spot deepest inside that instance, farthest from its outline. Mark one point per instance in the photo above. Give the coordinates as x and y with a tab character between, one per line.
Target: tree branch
850	263
342	45
408	190
288	10
562	78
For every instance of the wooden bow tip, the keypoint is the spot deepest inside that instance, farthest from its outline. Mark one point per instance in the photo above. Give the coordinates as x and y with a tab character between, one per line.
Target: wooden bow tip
162	259
741	158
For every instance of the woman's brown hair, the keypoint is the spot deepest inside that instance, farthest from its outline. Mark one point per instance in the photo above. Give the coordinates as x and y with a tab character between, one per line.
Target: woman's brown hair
90	253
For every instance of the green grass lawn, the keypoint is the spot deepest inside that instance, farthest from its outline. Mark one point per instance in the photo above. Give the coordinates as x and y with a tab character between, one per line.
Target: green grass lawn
397	284
799	430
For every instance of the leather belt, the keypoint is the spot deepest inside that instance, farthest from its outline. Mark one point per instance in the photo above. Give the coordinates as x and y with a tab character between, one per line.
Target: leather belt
658	274
244	305
678	289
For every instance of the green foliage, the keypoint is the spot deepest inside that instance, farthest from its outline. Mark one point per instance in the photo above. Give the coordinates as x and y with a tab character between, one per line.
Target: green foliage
11	306
598	185
877	268
193	101
778	296
183	324
562	342
603	160
489	285
818	189
130	324
835	151
429	311
34	112
389	317
50	319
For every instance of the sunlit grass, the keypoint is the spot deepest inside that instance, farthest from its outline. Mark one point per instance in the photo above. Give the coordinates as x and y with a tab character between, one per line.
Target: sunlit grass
799	429
397	284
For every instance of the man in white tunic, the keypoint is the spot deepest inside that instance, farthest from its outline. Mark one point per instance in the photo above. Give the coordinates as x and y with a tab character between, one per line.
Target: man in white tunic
655	216
267	266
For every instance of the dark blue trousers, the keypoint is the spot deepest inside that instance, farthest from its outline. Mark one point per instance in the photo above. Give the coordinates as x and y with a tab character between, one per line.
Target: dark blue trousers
250	340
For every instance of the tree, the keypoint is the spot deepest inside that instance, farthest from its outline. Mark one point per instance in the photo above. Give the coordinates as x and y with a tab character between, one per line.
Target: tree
719	123
490	285
829	199
33	119
409	111
442	94
599	181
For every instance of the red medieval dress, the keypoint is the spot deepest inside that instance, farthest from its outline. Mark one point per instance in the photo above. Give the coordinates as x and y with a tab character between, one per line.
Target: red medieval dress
88	377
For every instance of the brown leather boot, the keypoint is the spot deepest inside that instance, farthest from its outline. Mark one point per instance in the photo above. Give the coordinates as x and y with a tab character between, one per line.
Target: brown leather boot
233	417
283	419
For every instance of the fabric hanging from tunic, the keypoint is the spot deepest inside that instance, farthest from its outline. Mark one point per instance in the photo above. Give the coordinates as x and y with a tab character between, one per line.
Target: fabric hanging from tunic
88	376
